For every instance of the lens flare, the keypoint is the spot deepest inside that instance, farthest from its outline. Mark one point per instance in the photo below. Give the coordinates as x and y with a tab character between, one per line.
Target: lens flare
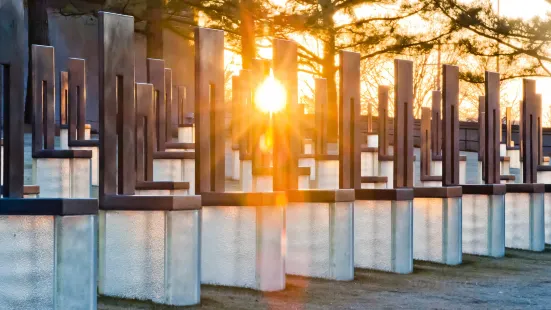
270	97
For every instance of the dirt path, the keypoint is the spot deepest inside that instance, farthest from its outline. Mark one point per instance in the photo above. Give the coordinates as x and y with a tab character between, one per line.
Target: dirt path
520	280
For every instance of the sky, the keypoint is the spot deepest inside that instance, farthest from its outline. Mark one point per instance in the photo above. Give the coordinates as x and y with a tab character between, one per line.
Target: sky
527	9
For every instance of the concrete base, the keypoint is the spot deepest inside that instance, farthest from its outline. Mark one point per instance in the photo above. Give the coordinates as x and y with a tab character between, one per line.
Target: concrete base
150	255
524	221
94	162
383	235
175	170
484	225
386	169
246	180
244	247
437	230
186	134
62	177
48	262
236	165
310	163
64	139
327	174
320	240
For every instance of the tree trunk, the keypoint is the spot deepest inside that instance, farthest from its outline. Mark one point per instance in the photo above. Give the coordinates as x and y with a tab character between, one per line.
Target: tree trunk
329	70
38	34
154	29
248	43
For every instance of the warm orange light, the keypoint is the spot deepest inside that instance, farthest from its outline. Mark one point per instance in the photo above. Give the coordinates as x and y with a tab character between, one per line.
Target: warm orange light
270	96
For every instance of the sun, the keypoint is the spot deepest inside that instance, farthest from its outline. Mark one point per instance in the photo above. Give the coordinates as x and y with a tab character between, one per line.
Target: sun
270	97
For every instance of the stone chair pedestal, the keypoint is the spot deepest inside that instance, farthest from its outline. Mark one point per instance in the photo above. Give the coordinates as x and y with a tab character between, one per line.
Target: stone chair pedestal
383	229
437	224
149	248
483	219
243	239
320	234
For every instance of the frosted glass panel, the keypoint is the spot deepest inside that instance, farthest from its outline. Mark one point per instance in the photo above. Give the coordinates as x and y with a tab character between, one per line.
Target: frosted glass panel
547	209
263	183
94	163
383	232
236	166
386	169
183	286
246	181
186	135
327	174
243	247
484	225
228	249
62	177
308	239
132	254
189	174
27	260
168	170
524	216
437	230
76	262
308	162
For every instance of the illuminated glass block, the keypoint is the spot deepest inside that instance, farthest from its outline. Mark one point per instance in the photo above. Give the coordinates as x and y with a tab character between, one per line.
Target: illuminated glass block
524	221
62	177
320	240
327	174
95	163
383	235
484	225
168	170
246	180
243	247
150	255
437	230
48	261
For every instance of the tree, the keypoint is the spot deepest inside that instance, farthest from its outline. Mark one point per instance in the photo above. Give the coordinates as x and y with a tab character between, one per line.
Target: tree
487	34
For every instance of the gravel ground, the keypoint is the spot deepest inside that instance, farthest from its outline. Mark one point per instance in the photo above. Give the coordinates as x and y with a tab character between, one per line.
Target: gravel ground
520	280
